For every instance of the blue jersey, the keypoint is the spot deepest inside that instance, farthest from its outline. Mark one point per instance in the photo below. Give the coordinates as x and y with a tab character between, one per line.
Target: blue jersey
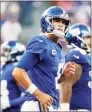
10	88
41	60
81	92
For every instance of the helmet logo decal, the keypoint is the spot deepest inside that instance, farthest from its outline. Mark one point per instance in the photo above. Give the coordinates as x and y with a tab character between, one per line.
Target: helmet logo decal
75	31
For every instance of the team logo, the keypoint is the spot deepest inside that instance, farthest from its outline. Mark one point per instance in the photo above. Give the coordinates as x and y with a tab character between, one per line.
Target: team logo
53	52
77	57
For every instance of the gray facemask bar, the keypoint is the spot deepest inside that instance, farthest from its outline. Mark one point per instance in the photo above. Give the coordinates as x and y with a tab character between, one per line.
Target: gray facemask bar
74	46
58	33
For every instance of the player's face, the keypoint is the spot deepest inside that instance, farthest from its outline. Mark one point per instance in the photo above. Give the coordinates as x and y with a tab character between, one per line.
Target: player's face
88	40
59	27
59	24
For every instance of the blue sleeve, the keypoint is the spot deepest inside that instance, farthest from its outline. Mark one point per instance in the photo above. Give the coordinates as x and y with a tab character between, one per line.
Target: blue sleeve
36	46
18	101
33	54
28	60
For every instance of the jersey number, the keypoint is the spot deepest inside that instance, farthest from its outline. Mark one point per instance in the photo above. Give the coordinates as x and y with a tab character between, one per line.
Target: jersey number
89	82
60	66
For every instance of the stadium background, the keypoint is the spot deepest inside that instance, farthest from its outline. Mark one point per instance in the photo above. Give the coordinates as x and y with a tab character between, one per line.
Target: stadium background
21	20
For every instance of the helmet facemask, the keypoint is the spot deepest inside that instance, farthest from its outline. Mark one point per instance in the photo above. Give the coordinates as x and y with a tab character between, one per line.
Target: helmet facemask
83	44
57	27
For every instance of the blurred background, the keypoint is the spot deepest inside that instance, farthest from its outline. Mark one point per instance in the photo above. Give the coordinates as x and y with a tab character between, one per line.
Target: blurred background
21	20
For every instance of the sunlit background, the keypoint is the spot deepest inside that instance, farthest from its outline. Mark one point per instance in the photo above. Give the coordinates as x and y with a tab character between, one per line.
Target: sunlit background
21	20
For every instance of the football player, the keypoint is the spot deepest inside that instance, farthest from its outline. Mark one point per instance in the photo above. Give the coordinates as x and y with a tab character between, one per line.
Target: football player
11	99
75	89
41	60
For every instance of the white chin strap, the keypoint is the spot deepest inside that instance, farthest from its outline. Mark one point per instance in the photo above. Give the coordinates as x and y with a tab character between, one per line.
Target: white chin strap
59	30
58	33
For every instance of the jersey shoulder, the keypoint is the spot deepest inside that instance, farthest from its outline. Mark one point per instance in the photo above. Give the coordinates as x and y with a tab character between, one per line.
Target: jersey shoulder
37	44
77	55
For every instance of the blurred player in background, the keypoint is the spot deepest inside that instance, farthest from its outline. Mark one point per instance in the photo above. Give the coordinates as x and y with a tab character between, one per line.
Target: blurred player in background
11	99
11	28
41	59
75	90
